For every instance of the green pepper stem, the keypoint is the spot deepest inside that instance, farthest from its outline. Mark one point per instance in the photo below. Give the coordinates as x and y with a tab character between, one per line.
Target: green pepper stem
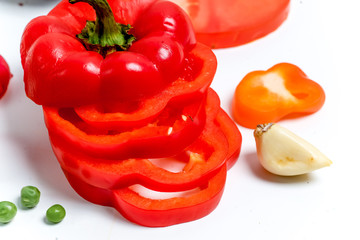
104	35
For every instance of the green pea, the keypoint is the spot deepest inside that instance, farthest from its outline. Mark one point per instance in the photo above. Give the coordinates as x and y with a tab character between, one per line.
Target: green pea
8	211
30	196
55	213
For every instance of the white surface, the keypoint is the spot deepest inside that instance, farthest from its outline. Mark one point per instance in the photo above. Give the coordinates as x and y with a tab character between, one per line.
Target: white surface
319	36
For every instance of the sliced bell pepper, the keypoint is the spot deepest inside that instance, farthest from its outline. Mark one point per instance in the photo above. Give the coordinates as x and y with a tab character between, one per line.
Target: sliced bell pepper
5	76
229	23
64	71
196	203
124	85
268	96
203	158
155	212
233	137
174	129
165	212
151	212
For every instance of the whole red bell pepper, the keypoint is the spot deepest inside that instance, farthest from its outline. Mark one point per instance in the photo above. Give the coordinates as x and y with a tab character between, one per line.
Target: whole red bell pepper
5	76
66	66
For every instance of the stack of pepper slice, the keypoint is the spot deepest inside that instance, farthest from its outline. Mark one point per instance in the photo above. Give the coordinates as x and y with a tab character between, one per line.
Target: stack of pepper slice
121	102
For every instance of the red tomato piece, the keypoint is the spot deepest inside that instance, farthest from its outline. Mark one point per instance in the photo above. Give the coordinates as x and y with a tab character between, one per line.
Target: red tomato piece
228	23
5	76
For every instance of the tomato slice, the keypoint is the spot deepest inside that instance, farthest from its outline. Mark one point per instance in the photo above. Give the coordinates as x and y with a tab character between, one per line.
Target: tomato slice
228	23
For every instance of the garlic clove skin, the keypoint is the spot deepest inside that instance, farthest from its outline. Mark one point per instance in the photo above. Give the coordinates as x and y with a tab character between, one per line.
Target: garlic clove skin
282	152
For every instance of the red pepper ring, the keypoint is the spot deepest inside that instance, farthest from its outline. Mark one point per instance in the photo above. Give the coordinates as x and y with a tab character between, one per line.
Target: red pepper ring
152	140
233	136
155	212
196	79
203	159
165	212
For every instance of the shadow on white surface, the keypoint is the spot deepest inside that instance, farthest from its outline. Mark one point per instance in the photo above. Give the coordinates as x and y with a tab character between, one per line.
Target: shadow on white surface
254	165
25	129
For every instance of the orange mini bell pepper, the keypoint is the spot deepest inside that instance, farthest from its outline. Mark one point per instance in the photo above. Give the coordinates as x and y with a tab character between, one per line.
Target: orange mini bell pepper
268	96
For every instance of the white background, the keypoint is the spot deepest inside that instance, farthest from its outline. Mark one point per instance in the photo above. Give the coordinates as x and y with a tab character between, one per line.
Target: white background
320	36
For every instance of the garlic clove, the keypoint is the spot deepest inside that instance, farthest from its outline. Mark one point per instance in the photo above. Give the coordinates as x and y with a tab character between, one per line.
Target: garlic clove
282	152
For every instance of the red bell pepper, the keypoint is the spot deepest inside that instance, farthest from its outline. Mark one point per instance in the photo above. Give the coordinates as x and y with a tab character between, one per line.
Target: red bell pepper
63	70
5	76
169	133
233	137
155	212
268	96
165	212
192	84
212	145
108	182
148	211
124	92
